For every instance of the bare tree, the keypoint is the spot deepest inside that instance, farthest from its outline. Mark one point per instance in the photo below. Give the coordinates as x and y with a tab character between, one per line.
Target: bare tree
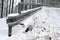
2	8
12	6
7	8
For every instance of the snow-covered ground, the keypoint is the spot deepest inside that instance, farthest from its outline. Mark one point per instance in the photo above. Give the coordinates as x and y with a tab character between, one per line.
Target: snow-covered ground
45	25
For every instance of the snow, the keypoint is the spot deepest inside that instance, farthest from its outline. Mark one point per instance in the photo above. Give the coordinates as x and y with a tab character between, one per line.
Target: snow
3	29
13	14
45	23
3	25
30	10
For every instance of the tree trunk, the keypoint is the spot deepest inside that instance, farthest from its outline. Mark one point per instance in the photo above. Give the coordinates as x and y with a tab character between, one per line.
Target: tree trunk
12	6
2	8
9	6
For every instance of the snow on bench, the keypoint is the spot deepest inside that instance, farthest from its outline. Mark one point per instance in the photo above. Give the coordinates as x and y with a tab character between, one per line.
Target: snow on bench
16	14
13	14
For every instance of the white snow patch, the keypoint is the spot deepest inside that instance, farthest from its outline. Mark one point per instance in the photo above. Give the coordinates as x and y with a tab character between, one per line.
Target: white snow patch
13	14
45	23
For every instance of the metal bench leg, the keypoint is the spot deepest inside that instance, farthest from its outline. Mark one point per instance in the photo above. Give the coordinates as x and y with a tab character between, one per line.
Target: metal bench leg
10	31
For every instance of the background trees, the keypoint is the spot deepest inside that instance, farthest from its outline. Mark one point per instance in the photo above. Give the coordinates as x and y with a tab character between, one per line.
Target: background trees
8	6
